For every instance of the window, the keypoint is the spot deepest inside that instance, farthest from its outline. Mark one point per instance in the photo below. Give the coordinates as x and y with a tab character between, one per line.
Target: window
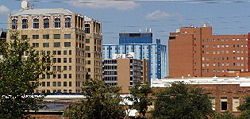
70	76
48	84
57	22
70	84
67	22
64	67
236	103
70	52
65	52
57	44
87	28
46	36
87	48
35	36
59	83
54	83
35	45
14	24
67	44
35	23
57	36
64	83
87	41
67	36
59	52
223	103
45	45
70	60
24	37
59	61
24	23
46	23
64	60
65	76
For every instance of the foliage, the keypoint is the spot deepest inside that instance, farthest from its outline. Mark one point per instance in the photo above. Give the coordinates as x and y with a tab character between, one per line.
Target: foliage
140	97
101	102
245	108
225	115
182	101
17	71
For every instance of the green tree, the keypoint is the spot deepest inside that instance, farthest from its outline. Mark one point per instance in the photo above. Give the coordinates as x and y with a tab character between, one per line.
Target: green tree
20	65
225	115
182	101
100	102
140	98
245	108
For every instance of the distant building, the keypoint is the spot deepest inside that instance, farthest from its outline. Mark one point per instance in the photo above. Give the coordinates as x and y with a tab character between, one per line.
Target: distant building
196	52
124	72
226	94
141	44
73	39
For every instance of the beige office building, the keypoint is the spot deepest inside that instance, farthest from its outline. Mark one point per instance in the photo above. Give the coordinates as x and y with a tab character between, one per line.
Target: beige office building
74	40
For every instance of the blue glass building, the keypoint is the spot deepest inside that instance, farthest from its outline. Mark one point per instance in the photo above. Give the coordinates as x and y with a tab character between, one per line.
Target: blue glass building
141	44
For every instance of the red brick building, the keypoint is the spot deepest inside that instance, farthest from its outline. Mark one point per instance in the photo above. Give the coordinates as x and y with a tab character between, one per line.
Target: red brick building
196	52
226	94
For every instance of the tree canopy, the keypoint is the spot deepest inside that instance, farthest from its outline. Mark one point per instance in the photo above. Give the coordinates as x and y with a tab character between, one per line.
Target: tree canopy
182	101
101	102
20	65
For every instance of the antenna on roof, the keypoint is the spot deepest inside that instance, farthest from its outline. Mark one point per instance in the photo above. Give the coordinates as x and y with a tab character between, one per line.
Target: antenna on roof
25	4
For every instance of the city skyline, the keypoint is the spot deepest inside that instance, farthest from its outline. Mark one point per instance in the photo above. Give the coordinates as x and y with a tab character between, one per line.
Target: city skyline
163	17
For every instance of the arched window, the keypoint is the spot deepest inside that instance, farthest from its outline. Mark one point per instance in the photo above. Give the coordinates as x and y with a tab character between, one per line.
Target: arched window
14	24
35	23
24	23
46	23
57	22
67	22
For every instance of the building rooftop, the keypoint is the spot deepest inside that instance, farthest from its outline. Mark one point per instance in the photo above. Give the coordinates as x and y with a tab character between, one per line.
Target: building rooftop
242	81
56	11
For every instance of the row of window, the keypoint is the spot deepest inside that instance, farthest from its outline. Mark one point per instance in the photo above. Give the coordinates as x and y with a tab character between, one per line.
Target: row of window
223	64
56	84
55	91
55	44
224	103
220	70
56	76
223	58
110	79
225	46
47	36
226	39
46	23
224	52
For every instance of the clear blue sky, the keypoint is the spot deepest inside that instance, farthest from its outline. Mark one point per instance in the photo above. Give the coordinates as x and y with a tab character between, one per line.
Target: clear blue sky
163	16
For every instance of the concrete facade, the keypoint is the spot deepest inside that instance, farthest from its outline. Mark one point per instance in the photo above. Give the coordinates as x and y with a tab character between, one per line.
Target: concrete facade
124	72
61	33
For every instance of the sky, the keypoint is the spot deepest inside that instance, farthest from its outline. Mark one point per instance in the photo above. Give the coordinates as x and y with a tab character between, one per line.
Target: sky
162	16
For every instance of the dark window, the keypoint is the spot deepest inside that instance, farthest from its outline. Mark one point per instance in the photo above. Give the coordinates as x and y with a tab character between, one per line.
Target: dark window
64	60
59	52
57	44
46	45
59	61
70	84
48	84
64	83
14	24
35	36
35	23
65	76
70	52
67	36
57	36
24	23
87	41
35	45
46	36
67	22
65	52
70	76
223	105
24	37
59	83
54	83
57	22
87	48
46	23
67	44
70	60
87	28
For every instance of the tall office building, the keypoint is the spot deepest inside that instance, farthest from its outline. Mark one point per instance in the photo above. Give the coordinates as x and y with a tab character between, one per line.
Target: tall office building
196	52
141	44
65	35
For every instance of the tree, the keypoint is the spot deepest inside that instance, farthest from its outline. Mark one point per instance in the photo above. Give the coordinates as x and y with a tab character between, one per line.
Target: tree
140	97
182	101
245	108
20	65
101	102
225	115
